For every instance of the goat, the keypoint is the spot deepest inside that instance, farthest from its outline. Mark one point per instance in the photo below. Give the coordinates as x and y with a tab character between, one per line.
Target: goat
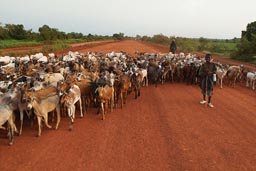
6	114
69	99
106	95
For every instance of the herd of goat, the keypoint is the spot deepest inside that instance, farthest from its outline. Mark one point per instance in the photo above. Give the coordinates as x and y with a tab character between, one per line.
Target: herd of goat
38	84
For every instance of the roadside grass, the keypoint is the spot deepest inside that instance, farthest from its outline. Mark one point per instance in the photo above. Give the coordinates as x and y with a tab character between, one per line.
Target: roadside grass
47	47
19	43
74	40
225	49
57	45
10	43
246	58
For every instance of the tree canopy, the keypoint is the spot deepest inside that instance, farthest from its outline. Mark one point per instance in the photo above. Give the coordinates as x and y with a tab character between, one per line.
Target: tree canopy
247	45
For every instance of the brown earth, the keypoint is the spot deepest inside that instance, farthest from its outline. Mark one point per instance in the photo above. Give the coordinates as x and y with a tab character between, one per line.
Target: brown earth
164	129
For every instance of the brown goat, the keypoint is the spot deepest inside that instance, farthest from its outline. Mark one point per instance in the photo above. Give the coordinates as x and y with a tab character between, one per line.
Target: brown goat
106	95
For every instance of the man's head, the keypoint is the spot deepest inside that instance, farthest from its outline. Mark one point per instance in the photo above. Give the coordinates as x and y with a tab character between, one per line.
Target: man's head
208	57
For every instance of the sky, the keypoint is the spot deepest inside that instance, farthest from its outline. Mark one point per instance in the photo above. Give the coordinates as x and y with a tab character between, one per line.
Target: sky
221	19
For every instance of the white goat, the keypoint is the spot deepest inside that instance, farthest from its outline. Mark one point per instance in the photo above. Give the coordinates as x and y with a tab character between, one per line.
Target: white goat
250	79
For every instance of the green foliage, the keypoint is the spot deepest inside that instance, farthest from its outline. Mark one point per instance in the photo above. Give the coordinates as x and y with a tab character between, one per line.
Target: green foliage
187	45
146	38
190	45
250	30
160	39
222	48
58	45
74	35
246	48
18	43
16	31
3	33
118	36
47	33
203	44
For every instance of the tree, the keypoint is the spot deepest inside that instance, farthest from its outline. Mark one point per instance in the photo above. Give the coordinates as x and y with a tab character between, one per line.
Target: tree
250	30
146	38
47	33
118	36
16	31
246	47
3	33
160	39
138	37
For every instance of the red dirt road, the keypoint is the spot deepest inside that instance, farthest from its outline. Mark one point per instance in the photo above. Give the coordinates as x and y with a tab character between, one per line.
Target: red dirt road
164	129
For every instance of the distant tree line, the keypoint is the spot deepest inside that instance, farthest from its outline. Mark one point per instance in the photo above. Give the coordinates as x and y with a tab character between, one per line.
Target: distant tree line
190	45
46	33
243	48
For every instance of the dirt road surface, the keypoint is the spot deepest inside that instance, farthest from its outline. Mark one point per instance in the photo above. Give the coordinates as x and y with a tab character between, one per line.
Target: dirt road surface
164	129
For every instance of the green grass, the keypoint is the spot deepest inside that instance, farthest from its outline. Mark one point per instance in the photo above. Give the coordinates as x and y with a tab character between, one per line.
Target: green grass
191	45
74	40
57	45
222	48
18	43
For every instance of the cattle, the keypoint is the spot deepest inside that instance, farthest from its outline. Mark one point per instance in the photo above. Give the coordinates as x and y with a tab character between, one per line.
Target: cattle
44	101
6	114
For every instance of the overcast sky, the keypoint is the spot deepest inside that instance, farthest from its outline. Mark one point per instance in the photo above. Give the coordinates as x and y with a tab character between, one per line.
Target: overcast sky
222	19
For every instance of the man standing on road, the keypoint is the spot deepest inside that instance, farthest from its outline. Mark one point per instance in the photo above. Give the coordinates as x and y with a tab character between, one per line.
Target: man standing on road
173	46
206	72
